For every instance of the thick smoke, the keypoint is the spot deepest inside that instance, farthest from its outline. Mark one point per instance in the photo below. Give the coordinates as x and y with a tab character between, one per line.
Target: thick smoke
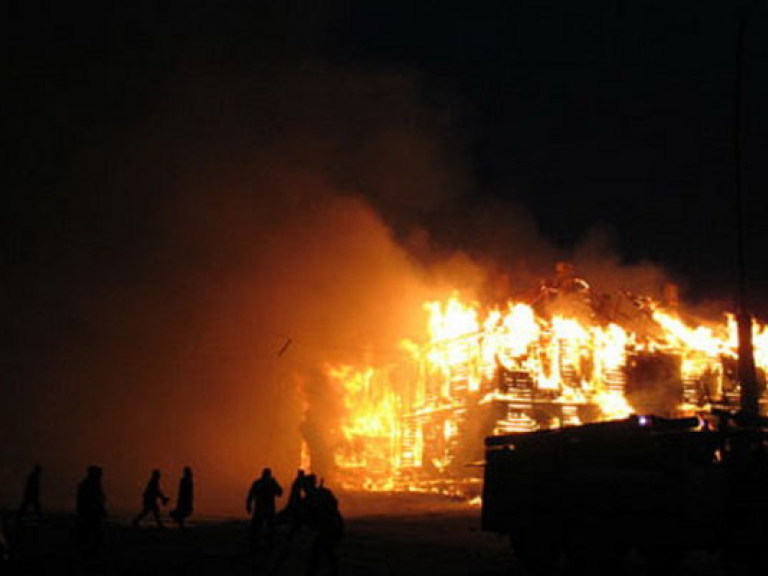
203	261
233	216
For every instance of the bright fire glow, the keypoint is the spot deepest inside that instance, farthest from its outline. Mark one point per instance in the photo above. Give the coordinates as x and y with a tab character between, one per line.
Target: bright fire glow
501	370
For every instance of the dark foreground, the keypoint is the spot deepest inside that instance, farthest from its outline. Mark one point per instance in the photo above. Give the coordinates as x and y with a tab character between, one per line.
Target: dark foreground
391	537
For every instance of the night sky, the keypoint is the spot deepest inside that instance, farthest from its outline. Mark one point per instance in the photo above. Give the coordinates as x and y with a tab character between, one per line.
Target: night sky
614	114
618	116
159	161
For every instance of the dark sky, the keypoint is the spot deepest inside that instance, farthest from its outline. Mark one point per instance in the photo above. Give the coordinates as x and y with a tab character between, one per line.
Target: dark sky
616	115
183	184
613	114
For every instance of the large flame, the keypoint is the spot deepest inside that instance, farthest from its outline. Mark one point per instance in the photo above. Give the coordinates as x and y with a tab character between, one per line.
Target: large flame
516	368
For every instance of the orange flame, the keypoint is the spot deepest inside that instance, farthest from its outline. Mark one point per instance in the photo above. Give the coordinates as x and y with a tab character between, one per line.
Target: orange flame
535	371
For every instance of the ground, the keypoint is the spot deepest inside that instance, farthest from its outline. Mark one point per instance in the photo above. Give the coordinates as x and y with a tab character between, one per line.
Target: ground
387	535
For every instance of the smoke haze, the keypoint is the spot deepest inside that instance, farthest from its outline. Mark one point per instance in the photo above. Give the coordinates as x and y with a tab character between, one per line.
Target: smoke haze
166	262
167	266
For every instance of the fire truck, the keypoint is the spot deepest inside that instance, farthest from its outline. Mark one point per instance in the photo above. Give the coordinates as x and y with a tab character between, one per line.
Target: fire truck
582	498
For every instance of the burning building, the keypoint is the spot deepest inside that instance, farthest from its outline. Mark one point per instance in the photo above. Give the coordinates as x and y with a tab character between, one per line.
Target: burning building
567	356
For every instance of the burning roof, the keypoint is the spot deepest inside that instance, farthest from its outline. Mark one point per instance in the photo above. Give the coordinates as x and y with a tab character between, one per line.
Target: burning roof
569	355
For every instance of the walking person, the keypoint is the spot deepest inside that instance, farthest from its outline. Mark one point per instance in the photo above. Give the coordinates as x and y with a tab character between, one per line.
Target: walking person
291	514
5	549
90	513
152	495
31	500
184	499
292	517
260	503
322	516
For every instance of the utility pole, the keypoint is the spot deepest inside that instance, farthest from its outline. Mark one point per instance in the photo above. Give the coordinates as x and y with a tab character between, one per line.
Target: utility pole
749	404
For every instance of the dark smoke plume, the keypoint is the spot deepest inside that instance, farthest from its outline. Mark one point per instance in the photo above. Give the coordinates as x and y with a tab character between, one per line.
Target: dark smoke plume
184	220
175	254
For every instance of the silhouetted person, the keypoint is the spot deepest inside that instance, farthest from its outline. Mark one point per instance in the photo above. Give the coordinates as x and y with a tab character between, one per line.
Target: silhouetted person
31	499
184	499
90	511
260	502
291	514
298	486
152	494
321	514
5	549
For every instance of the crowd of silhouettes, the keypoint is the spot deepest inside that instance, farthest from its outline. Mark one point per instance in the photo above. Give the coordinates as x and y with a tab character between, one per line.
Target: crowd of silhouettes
310	506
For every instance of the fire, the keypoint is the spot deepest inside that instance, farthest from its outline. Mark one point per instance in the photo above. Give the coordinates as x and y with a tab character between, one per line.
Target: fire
520	367
699	339
452	325
369	426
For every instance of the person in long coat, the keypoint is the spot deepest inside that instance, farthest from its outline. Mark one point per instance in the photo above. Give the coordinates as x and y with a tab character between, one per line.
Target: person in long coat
91	511
31	500
184	499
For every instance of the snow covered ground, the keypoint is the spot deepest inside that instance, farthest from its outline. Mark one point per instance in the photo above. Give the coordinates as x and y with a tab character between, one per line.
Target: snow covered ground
387	535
